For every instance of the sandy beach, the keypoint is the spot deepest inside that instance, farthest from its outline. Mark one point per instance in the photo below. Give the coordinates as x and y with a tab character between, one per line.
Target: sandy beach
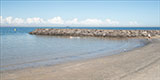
139	64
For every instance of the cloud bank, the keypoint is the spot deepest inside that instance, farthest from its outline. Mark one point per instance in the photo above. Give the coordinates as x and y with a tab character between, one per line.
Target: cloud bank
58	21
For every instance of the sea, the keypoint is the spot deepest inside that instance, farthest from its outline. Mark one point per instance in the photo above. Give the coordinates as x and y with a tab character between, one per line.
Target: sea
19	49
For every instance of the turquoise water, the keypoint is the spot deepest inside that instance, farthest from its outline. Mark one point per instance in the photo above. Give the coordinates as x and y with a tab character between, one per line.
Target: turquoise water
22	50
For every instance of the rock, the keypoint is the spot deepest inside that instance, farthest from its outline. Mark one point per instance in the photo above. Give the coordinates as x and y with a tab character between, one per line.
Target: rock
97	33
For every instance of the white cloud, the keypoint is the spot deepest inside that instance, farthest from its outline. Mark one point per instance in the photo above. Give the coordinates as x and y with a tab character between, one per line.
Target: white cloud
8	20
74	21
109	21
1	19
35	20
56	20
18	21
133	23
91	22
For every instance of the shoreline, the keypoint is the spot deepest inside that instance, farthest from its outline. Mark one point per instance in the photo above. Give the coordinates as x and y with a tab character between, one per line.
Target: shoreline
142	41
132	65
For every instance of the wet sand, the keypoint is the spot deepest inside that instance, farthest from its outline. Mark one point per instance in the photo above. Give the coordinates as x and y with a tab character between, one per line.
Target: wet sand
139	64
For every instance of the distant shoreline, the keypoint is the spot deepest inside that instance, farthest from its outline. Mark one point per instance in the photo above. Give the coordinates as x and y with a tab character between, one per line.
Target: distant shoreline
105	28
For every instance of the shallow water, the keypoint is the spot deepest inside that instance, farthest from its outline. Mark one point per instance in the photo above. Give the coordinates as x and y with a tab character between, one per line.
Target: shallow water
21	50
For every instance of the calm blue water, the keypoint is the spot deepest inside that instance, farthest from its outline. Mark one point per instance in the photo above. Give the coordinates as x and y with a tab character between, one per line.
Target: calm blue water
22	50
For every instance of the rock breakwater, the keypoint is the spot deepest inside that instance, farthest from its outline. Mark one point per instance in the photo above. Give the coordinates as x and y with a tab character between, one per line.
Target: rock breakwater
97	32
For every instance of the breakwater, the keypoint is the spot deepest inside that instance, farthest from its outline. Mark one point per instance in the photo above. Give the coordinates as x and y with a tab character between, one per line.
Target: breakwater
96	32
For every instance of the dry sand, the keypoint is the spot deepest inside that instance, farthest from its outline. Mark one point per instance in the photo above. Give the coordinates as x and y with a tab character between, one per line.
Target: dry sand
139	64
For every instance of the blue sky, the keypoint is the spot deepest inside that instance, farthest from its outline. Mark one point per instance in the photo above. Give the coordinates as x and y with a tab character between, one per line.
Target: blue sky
103	13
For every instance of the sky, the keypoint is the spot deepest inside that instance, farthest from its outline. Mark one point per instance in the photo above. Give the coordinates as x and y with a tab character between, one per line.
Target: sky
80	13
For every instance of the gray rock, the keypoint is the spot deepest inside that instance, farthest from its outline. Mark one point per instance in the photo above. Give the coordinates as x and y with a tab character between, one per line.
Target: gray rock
95	32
